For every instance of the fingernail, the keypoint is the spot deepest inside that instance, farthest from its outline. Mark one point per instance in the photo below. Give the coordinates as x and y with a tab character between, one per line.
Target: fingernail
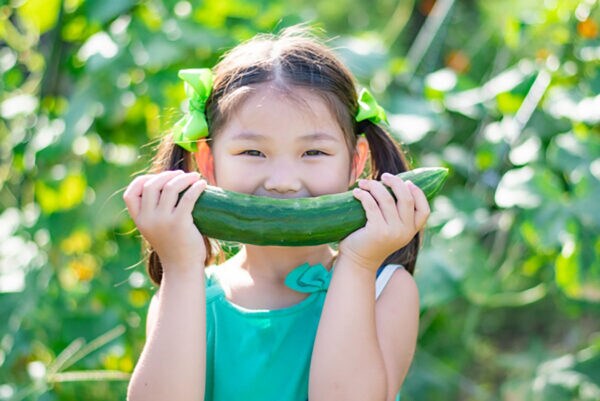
386	175
356	191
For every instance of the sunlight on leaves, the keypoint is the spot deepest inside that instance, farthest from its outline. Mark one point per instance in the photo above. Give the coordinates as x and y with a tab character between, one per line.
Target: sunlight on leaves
29	11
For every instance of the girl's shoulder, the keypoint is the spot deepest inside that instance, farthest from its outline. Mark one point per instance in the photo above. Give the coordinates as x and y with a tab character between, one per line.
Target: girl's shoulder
209	274
216	274
214	289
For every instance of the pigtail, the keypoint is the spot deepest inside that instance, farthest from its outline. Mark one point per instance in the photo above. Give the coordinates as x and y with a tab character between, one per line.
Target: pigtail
388	156
169	156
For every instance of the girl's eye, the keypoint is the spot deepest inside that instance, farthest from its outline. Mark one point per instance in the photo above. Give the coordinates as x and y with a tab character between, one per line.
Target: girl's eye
251	152
315	153
258	153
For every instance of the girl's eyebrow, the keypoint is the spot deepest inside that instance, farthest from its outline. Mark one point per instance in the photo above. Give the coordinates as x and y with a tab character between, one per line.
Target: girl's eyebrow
317	136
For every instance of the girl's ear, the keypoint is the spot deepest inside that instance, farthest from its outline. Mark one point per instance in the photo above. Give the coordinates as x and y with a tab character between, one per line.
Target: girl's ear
205	162
359	159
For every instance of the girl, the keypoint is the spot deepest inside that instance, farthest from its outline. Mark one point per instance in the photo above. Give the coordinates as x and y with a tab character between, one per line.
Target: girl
282	119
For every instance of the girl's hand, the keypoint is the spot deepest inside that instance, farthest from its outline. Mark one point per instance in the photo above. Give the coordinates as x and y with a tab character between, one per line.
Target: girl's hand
167	225
390	224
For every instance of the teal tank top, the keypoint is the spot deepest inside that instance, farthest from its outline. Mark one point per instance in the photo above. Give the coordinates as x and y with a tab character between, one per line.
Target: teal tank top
263	355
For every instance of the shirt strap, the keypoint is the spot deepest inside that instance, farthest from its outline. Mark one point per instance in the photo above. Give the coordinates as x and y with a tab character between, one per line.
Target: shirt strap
383	278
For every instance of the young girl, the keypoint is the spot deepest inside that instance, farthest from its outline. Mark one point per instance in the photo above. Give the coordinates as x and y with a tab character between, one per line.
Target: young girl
280	118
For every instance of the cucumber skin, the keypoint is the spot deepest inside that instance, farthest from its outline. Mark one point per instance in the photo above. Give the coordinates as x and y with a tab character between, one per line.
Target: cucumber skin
261	220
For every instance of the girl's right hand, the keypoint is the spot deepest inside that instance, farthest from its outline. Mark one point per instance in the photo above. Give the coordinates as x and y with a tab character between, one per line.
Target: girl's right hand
167	225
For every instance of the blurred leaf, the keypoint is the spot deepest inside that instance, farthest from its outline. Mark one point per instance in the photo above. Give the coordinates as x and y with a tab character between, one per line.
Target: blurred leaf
569	377
364	55
438	281
512	32
163	52
570	153
509	103
42	21
544	227
578	265
412	118
68	194
103	11
527	187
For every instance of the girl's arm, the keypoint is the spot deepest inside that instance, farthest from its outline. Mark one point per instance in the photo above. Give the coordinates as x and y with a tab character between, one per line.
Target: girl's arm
172	365
360	353
173	362
356	334
347	363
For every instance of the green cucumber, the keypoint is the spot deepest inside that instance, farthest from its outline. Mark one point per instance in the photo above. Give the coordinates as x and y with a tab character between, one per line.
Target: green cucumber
261	220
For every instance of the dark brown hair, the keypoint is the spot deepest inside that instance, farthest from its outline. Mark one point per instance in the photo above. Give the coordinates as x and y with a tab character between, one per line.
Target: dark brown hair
293	58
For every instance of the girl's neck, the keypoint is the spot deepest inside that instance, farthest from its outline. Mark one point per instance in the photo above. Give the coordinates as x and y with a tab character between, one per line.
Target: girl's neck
274	263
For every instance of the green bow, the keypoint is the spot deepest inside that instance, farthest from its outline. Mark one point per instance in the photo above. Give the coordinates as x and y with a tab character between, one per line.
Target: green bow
193	126
369	109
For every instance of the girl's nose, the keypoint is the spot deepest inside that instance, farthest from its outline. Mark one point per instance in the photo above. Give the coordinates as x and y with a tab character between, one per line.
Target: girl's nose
282	180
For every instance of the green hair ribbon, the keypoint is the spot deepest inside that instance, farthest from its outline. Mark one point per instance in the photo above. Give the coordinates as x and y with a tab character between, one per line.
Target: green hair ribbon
193	126
369	109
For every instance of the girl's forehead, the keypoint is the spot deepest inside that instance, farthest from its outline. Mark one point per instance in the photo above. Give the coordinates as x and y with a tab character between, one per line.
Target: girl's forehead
268	110
284	96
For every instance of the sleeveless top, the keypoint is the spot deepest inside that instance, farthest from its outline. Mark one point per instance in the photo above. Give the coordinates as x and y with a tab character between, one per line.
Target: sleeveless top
254	354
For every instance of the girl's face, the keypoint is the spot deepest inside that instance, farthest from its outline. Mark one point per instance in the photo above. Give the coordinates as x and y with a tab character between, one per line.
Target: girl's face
279	147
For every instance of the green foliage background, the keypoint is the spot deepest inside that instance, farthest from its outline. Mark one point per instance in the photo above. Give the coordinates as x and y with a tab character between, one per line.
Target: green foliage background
504	93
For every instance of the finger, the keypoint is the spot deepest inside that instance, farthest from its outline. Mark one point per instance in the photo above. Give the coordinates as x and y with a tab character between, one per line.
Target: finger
405	202
152	188
172	189
133	194
384	199
422	209
370	205
188	200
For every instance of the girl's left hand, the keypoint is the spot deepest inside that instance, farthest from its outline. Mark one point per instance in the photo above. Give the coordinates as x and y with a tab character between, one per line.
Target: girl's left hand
391	224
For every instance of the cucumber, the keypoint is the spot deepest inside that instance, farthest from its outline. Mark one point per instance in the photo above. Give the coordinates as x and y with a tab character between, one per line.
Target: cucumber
261	220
